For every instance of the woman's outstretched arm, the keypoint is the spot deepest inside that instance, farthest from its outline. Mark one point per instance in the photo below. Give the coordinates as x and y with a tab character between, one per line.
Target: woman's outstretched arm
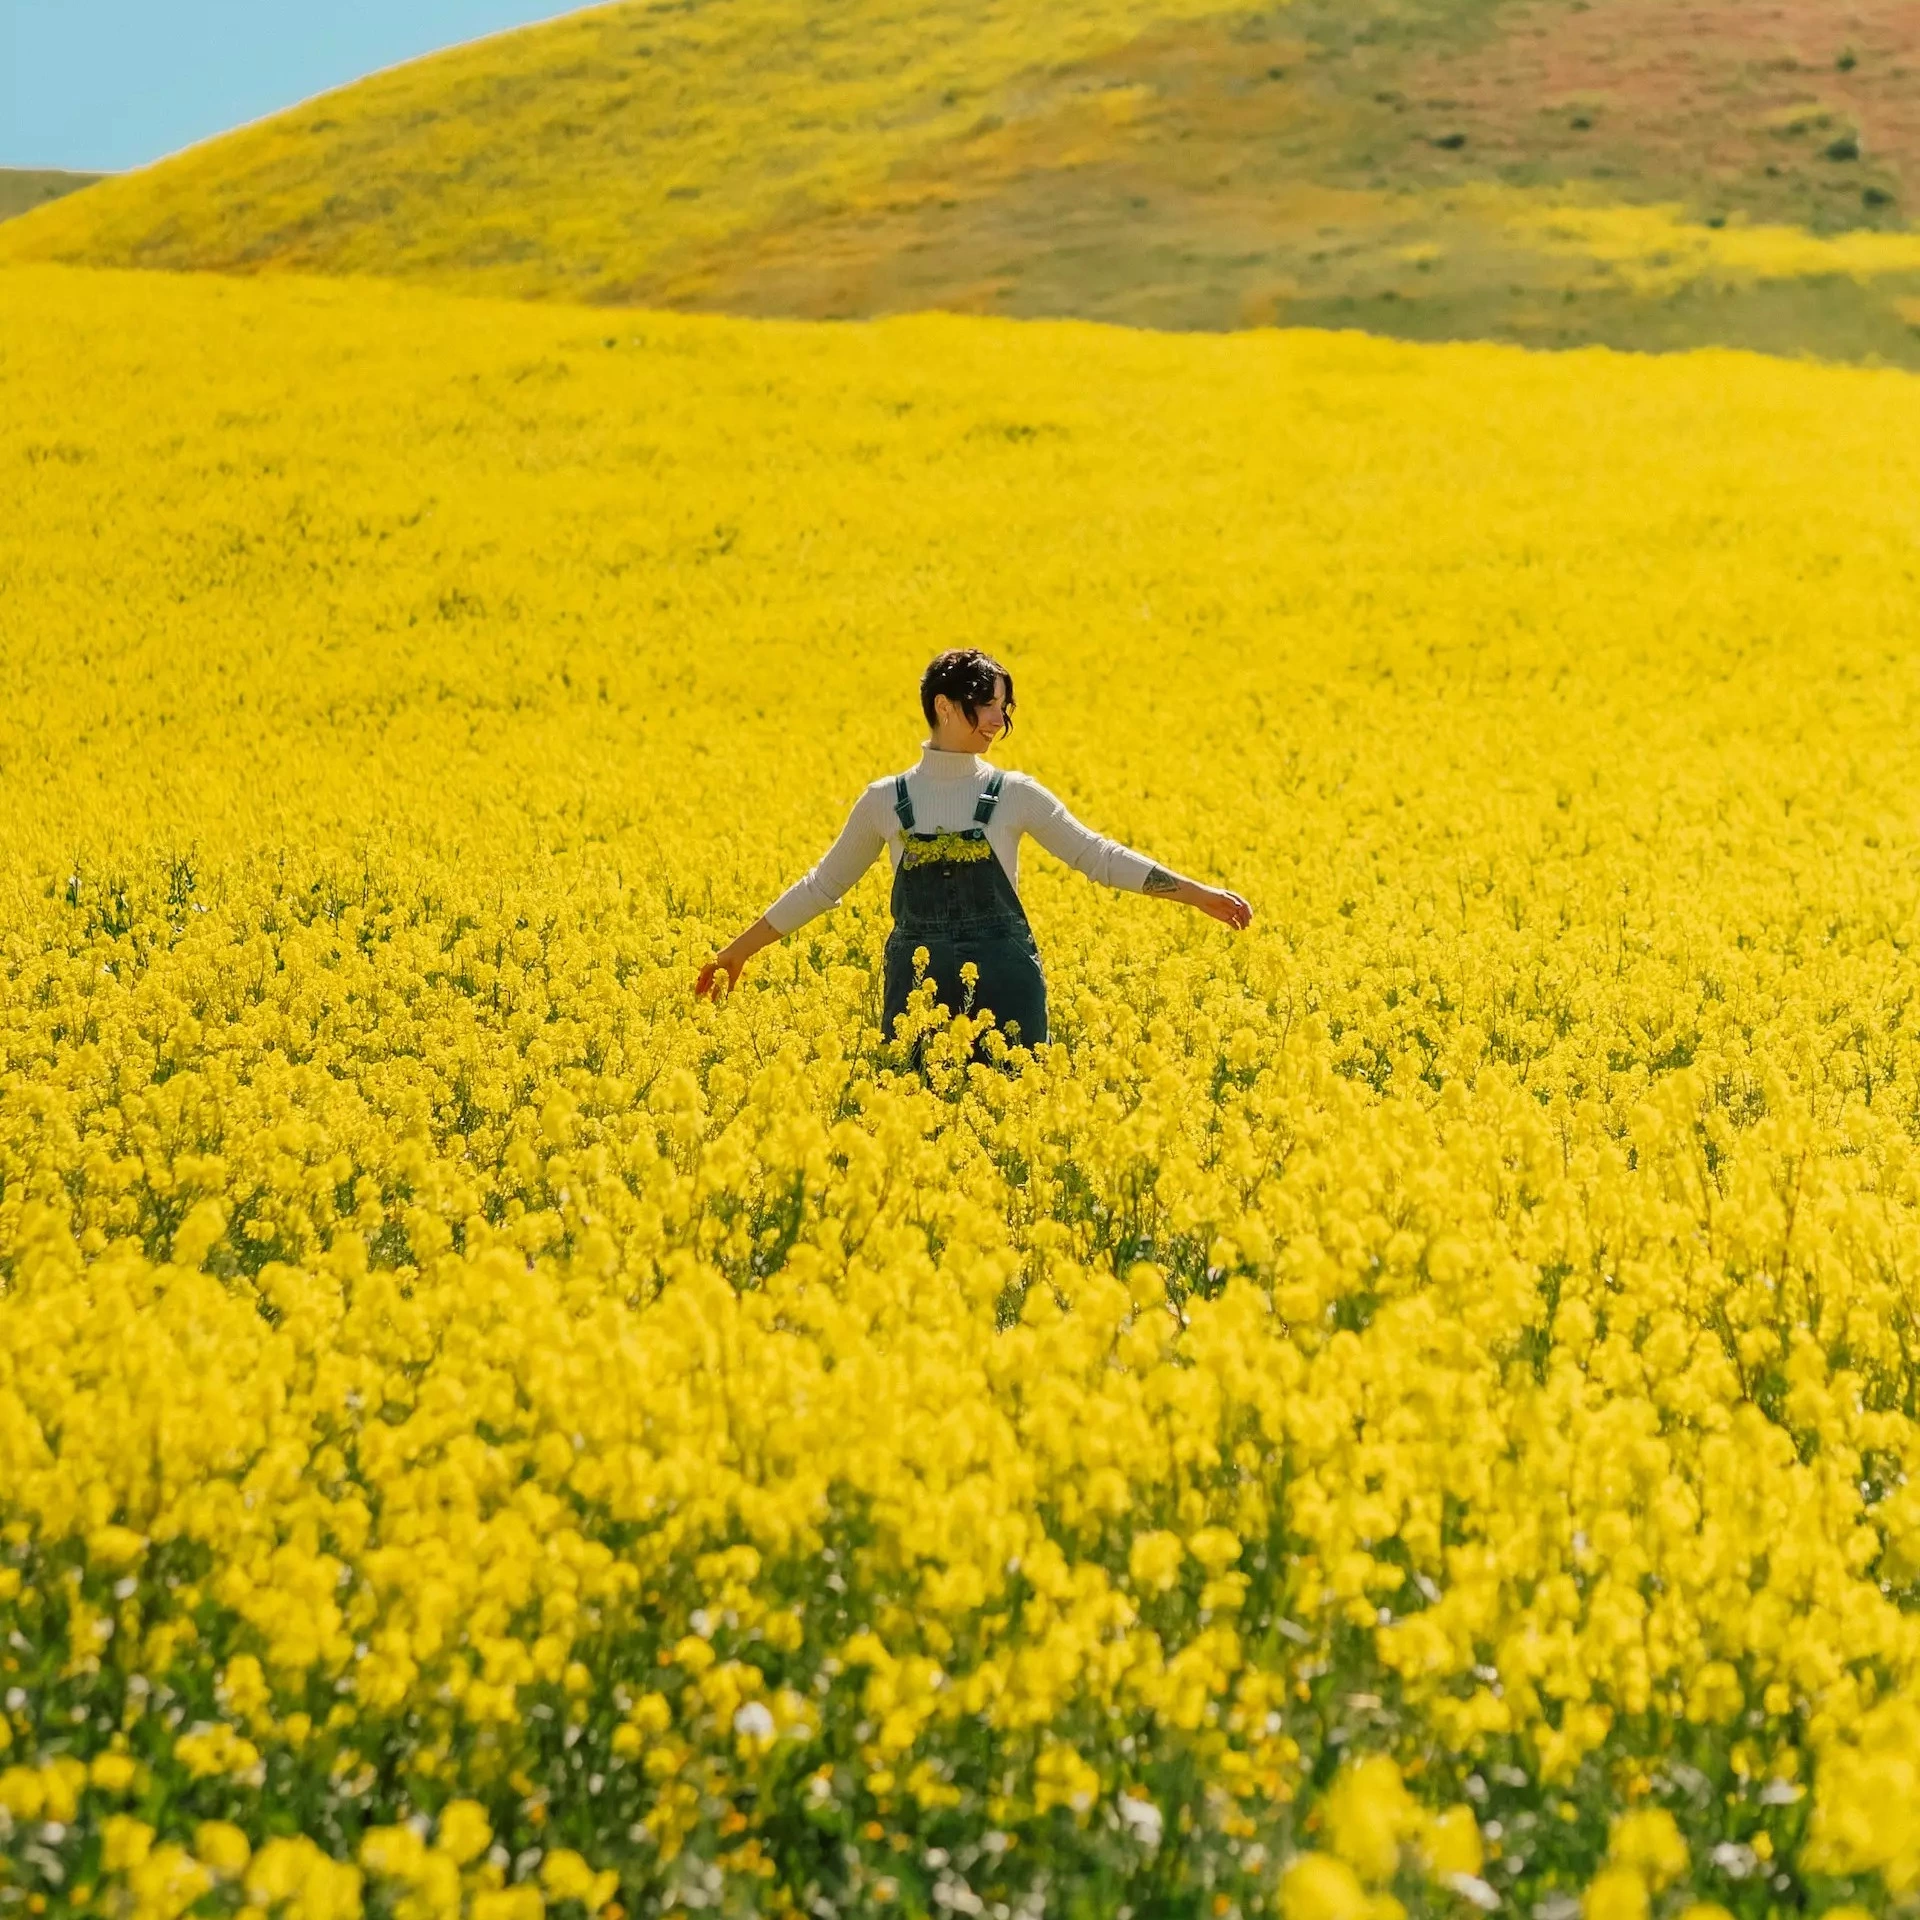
861	842
1114	865
1217	901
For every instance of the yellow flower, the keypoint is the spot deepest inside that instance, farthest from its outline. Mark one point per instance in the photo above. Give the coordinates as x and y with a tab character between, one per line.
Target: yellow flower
1617	1893
508	1903
124	1842
1368	1812
464	1831
1154	1561
566	1876
167	1881
243	1687
1716	1694
1650	1842
22	1792
111	1772
215	1749
1216	1548
1062	1778
114	1547
393	1853
295	1878
222	1846
198	1232
1453	1842
1318	1887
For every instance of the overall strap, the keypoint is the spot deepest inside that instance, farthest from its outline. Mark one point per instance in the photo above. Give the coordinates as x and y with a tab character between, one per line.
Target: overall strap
901	804
983	812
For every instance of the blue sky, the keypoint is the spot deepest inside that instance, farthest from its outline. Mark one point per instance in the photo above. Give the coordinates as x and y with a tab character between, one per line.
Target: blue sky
105	84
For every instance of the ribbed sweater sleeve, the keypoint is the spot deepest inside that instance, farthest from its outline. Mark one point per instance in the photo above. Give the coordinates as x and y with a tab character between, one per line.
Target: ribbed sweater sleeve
861	842
1085	851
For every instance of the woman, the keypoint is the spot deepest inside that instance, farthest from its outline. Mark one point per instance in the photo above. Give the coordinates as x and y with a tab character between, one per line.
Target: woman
953	828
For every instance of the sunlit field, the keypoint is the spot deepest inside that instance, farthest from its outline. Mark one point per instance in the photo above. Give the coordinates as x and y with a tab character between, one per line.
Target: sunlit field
1407	1408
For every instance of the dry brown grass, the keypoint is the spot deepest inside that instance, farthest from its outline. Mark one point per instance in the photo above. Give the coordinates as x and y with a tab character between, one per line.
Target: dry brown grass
24	188
1316	166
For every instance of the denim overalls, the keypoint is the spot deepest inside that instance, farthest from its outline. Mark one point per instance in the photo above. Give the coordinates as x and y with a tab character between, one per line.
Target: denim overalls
952	896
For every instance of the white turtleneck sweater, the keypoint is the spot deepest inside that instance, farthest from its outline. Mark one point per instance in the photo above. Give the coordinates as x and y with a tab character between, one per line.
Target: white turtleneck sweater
944	789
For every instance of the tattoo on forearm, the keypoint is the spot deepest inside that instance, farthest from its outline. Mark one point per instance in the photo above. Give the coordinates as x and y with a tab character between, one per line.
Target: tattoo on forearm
1160	881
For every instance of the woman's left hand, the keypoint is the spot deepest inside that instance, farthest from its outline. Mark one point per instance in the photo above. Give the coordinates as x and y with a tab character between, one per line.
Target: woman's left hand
1224	906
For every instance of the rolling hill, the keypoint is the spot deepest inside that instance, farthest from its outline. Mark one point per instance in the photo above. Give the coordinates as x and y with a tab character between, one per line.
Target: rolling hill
1556	172
24	188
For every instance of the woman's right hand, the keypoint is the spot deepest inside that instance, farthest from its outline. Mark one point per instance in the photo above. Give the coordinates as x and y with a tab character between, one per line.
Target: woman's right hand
707	985
731	960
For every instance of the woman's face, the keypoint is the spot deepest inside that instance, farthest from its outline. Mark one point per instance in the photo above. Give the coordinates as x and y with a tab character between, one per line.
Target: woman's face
958	734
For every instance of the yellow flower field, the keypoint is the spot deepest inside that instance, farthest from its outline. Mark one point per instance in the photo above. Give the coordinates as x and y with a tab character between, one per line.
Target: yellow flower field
1409	1409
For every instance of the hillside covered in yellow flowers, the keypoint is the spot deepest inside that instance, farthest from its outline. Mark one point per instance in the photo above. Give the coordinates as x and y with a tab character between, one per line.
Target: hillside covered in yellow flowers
1549	172
1410	1411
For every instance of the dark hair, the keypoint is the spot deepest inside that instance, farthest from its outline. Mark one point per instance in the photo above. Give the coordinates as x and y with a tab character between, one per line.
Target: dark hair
966	676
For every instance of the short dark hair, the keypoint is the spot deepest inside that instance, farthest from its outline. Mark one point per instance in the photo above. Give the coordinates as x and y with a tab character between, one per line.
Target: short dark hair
966	676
